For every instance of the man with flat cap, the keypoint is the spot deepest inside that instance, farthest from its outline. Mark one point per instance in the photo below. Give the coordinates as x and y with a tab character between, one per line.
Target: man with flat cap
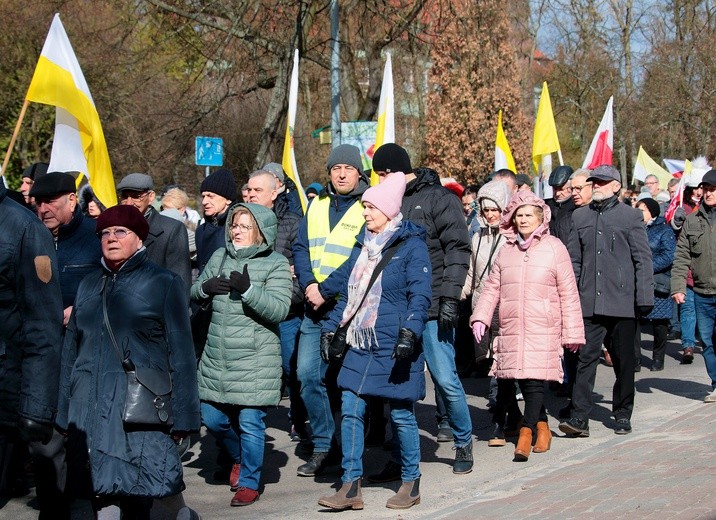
561	203
613	267
167	243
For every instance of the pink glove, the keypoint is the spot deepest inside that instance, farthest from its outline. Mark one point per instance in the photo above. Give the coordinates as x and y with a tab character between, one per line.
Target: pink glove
572	347
478	330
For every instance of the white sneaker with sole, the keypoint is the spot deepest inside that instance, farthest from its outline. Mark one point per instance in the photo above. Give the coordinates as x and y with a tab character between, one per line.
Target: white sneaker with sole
711	398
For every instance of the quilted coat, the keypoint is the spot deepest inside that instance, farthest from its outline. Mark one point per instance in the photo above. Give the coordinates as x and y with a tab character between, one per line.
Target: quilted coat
662	242
539	304
405	300
241	363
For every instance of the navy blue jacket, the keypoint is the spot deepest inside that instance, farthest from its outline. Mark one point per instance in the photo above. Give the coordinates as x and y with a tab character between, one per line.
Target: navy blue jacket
331	286
405	300
209	237
662	242
78	253
30	314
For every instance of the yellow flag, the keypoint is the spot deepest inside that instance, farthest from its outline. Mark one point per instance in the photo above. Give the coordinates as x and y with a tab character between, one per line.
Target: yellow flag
289	156
79	143
503	155
645	165
545	138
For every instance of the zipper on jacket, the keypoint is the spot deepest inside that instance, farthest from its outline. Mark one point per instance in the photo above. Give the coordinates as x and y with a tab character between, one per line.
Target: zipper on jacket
614	237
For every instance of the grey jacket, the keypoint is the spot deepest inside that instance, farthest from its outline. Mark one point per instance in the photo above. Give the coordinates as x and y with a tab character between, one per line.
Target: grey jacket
168	246
611	259
696	249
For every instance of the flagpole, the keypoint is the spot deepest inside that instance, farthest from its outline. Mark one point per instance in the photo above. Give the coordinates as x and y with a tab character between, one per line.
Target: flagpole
559	154
14	137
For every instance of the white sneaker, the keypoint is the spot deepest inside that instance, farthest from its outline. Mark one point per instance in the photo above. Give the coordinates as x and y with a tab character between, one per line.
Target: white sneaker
711	398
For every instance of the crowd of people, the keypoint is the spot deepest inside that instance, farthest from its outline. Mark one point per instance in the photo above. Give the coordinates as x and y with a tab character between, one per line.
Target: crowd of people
125	329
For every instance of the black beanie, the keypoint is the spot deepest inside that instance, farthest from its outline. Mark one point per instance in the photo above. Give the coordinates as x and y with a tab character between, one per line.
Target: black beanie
391	158
222	183
652	206
345	154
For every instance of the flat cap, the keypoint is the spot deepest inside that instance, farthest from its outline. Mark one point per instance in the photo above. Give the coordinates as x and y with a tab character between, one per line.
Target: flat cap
605	173
136	182
52	184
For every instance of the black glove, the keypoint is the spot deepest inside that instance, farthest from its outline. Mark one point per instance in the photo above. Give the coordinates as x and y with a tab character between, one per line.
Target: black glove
677	221
326	338
644	310
240	282
405	346
338	344
33	431
448	313
216	286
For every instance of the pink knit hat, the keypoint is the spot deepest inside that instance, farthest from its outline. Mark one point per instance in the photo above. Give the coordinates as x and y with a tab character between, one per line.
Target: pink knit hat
388	195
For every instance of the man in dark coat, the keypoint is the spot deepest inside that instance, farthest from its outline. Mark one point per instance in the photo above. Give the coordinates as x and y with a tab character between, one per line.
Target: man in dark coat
613	267
218	193
561	203
287	192
78	253
30	336
263	189
433	207
167	243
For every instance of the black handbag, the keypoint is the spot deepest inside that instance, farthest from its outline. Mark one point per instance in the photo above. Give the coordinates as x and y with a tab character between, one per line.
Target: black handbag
662	284
201	319
148	396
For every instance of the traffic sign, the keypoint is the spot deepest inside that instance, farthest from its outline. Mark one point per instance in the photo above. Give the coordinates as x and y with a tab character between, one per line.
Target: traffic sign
209	151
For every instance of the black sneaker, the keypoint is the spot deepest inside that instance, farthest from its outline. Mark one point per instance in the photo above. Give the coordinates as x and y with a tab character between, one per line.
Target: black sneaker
576	427
390	473
623	426
315	464
463	459
444	432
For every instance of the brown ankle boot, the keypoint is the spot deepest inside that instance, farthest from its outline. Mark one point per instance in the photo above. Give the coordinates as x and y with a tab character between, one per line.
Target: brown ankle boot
524	444
407	496
544	437
348	497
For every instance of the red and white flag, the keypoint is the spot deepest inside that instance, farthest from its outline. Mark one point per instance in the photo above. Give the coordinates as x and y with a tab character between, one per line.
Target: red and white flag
600	152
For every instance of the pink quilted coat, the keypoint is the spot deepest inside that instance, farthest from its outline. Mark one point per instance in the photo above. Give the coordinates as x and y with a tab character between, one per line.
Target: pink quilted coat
539	304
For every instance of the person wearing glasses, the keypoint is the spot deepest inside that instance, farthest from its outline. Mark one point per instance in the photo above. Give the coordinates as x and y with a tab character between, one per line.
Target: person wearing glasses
167	242
652	182
240	370
581	188
114	469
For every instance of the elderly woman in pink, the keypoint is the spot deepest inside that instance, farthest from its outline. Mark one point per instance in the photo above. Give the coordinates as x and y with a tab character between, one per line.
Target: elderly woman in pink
539	314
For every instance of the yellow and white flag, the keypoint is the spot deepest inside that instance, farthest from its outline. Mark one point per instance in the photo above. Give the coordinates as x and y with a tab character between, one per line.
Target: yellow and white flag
545	140
289	156
645	165
386	113
79	143
503	155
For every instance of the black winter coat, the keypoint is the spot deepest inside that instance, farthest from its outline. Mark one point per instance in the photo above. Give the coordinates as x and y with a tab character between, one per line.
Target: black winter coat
611	259
168	246
286	233
78	253
145	304
561	222
427	203
30	316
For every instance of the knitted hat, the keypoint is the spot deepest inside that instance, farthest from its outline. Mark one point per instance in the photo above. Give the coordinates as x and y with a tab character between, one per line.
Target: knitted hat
345	154
388	195
52	184
314	187
276	169
136	182
222	183
126	216
391	158
652	206
35	170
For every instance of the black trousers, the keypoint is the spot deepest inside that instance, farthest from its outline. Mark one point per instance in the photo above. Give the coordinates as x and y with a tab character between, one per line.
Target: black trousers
50	477
620	333
506	403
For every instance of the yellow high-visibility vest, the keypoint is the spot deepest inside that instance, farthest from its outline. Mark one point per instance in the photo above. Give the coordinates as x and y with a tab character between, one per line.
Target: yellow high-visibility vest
328	248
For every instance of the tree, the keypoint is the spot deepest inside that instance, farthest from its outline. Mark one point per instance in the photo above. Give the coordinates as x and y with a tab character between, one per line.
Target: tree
473	76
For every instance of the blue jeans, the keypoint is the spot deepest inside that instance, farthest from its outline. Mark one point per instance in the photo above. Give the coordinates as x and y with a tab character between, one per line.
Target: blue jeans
241	430
289	330
311	371
440	358
688	320
404	424
706	318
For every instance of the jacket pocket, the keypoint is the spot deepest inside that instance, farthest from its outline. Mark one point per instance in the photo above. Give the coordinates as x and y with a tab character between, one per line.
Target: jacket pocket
695	239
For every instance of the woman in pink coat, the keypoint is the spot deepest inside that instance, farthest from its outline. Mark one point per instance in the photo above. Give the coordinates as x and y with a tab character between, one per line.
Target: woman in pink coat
539	315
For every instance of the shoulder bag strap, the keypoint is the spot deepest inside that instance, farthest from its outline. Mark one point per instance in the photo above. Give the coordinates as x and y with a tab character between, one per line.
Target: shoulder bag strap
124	360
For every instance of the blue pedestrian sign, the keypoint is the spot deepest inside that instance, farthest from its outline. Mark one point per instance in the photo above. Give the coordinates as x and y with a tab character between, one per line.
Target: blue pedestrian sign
209	151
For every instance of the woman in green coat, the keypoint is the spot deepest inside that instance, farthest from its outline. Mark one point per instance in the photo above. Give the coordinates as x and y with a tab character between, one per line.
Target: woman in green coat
239	371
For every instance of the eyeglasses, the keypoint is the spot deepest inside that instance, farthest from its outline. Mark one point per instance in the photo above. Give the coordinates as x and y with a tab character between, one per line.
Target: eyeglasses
134	195
242	227
118	233
651	183
580	188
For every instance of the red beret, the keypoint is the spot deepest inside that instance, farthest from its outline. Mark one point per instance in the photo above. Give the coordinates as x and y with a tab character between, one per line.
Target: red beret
125	216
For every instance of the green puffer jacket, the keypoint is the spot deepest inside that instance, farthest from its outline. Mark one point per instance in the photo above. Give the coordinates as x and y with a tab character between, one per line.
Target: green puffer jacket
241	363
